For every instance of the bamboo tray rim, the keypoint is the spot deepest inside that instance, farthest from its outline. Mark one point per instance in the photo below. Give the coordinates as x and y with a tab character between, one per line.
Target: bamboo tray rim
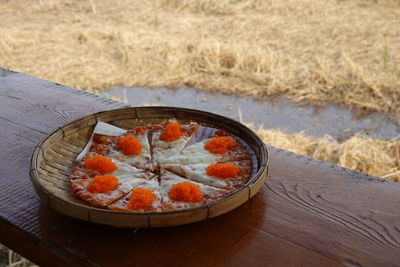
34	174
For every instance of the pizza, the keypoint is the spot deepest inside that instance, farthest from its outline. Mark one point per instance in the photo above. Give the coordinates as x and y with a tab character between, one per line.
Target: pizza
159	167
210	150
101	180
169	138
226	175
179	193
131	147
144	198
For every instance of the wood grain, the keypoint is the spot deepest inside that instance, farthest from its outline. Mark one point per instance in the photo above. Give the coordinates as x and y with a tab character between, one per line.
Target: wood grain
309	213
337	212
39	105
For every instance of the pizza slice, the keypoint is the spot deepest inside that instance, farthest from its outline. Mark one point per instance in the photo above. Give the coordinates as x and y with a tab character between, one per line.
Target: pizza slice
102	144
179	193
229	176
210	150
144	198
132	148
100	180
170	138
93	164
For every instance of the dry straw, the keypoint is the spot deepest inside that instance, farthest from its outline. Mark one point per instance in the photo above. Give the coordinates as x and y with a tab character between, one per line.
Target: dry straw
11	259
375	157
313	51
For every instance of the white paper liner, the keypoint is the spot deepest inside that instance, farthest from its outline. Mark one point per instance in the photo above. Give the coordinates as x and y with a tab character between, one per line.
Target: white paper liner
103	129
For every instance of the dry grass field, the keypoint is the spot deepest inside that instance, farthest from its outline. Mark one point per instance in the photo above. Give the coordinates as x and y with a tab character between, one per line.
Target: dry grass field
372	156
309	51
11	259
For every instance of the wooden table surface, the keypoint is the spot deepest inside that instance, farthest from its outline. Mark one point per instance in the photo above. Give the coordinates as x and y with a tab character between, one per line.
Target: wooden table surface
309	212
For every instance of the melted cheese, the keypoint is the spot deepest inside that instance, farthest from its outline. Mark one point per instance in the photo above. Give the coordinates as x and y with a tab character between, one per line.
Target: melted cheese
128	182
162	149
141	161
122	204
195	153
137	161
129	176
124	169
198	173
168	179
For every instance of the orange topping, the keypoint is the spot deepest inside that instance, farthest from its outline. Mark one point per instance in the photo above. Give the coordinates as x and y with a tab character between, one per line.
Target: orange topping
140	130
101	184
129	145
220	145
101	139
171	132
220	133
185	192
223	170
141	198
101	164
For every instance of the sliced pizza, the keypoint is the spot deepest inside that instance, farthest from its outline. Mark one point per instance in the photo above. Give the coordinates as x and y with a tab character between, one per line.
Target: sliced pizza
132	147
180	168
93	164
170	138
144	198
229	176
210	150
179	193
100	180
102	144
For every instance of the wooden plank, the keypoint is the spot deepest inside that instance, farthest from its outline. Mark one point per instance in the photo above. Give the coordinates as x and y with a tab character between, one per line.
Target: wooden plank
208	243
308	213
43	106
19	241
213	242
334	211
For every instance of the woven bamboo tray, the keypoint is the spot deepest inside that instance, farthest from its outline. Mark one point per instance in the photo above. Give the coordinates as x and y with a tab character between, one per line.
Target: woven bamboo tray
53	159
